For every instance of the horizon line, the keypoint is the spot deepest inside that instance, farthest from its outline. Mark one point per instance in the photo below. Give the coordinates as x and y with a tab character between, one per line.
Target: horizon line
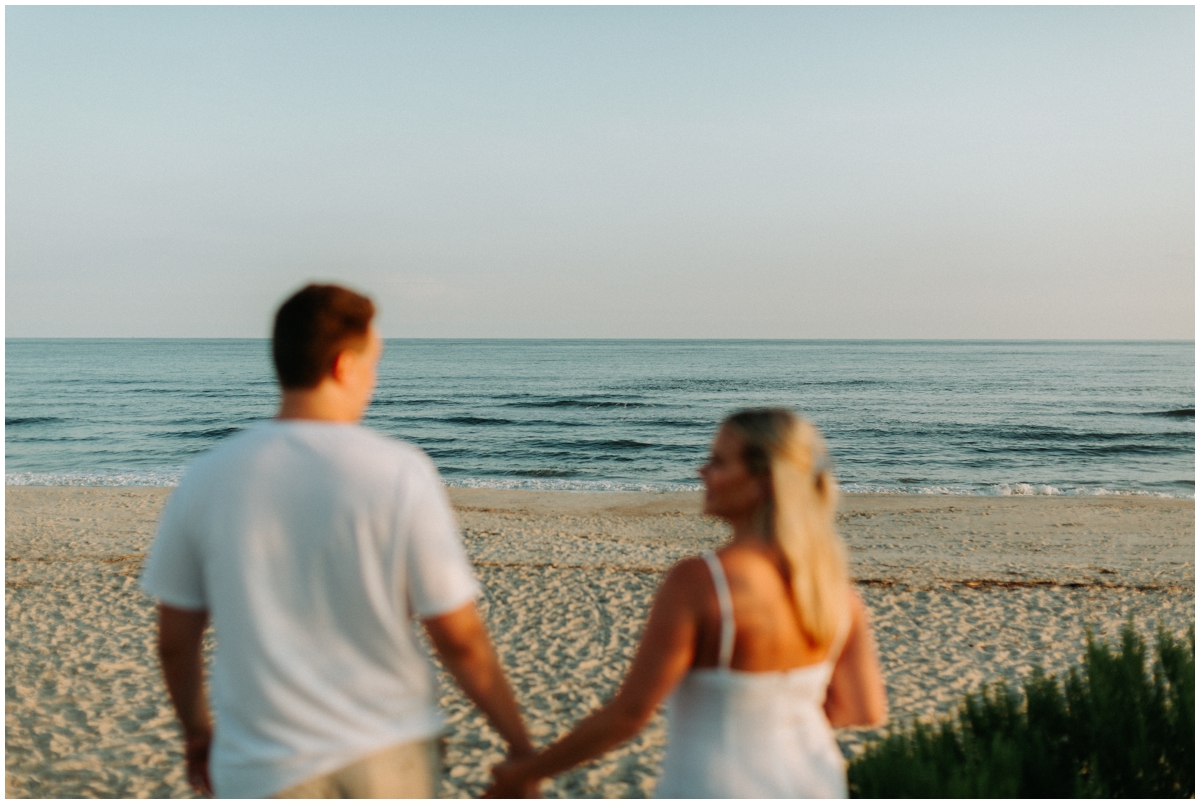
629	338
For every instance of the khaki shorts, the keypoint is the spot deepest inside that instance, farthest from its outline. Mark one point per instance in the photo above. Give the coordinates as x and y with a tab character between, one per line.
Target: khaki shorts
409	770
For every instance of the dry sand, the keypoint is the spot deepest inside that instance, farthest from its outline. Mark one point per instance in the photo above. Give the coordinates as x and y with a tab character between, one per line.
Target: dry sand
963	591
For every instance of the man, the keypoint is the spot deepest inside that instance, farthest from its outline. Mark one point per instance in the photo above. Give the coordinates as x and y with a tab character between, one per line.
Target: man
311	541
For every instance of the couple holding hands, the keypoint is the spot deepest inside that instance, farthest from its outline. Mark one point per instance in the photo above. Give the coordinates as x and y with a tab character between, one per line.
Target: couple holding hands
312	542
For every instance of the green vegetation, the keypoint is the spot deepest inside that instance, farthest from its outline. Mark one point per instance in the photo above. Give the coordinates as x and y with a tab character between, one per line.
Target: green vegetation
1110	729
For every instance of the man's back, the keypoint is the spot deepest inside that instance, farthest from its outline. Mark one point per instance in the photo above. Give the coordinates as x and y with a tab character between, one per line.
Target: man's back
308	542
311	543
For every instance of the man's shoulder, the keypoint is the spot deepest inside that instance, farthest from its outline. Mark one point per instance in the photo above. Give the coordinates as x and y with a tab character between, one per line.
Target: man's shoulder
387	447
318	435
229	449
367	457
274	449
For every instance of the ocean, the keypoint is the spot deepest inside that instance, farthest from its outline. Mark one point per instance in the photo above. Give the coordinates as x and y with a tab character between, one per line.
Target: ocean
918	417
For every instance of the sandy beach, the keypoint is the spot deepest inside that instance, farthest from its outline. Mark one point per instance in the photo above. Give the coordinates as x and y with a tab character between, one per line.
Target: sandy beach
963	591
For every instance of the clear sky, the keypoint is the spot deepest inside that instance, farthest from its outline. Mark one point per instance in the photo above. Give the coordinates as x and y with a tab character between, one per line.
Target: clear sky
777	172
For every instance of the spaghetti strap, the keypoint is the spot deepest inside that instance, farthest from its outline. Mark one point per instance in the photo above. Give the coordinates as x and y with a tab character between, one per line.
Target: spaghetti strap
725	600
750	734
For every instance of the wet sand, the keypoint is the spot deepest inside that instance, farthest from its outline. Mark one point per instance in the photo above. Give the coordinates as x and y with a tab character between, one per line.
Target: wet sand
962	590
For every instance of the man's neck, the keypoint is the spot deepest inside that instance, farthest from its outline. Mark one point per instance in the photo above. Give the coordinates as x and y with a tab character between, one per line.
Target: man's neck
322	404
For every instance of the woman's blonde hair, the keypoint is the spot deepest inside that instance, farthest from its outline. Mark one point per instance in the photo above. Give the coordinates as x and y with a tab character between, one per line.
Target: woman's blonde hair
799	515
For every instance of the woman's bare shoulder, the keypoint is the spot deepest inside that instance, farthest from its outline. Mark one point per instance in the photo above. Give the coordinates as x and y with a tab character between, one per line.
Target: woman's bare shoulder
687	573
685	588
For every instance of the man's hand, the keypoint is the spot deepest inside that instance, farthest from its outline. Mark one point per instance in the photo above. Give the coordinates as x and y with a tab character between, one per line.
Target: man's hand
512	781
195	751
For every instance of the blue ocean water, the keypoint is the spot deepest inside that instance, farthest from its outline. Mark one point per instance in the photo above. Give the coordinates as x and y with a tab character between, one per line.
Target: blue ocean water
981	417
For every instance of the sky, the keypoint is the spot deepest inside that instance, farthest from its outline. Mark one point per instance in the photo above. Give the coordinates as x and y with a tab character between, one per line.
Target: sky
612	172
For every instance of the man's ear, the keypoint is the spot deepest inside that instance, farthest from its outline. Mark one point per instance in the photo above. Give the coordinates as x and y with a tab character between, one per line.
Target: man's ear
340	364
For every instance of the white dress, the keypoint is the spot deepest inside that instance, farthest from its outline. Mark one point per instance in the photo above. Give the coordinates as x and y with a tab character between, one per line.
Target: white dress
738	734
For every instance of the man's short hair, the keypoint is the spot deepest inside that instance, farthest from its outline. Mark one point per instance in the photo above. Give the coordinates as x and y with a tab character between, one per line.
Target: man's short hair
312	327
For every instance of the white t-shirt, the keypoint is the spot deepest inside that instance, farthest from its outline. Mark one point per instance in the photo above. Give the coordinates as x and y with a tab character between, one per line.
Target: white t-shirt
311	544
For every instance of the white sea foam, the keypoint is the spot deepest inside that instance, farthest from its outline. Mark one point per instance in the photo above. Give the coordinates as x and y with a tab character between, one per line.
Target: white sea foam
170	477
1025	490
1008	490
567	485
144	477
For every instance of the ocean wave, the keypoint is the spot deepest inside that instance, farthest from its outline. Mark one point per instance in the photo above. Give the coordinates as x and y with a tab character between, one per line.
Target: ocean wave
457	419
557	484
1022	437
1179	413
1093	450
212	432
1176	413
689	424
140	477
578	403
17	421
584	448
62	439
1009	490
738	385
560	480
386	401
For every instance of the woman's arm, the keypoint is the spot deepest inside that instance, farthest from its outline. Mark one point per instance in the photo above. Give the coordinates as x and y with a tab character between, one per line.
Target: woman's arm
857	696
664	656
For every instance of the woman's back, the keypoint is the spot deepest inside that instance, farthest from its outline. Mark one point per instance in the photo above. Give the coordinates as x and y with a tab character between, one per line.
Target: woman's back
748	720
752	694
768	632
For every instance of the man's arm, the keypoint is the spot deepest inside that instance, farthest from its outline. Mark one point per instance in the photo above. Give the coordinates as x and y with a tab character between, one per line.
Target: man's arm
180	634
462	642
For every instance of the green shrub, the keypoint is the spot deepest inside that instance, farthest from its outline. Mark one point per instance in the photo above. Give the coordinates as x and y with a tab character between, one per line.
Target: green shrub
1110	729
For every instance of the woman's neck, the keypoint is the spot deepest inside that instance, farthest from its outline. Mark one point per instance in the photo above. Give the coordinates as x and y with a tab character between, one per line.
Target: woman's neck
753	526
747	530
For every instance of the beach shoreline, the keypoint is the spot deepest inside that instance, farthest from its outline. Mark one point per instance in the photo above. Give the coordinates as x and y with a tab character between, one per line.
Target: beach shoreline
962	590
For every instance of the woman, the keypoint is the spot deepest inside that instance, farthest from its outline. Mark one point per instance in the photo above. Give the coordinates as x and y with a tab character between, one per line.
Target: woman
763	646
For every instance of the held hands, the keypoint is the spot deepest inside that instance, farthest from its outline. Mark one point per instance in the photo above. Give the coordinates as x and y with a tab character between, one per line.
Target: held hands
512	780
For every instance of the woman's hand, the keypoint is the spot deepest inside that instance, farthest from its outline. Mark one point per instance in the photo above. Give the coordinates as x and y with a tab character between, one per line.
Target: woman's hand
512	780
